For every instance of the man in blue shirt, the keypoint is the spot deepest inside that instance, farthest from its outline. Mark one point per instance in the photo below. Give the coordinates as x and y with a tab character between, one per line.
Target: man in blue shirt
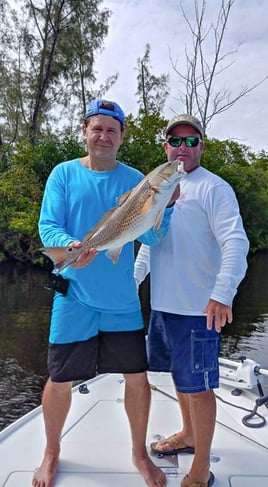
97	326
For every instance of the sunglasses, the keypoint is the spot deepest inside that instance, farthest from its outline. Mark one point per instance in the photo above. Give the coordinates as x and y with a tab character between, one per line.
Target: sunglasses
190	141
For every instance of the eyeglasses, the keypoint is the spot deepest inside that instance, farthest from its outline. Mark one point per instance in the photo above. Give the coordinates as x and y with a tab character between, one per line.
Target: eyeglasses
190	141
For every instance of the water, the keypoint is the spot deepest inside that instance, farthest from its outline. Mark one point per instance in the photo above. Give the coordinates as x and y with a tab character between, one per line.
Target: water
24	318
24	322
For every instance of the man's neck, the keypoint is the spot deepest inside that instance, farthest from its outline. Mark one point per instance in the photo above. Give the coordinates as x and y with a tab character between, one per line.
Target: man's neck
98	165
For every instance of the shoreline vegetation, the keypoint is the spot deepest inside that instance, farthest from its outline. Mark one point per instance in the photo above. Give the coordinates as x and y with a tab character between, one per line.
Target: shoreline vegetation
24	174
46	85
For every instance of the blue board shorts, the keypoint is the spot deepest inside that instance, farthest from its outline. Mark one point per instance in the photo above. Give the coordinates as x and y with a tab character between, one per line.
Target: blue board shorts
183	346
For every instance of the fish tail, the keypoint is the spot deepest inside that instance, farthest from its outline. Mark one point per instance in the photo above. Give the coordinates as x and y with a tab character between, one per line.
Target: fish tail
60	256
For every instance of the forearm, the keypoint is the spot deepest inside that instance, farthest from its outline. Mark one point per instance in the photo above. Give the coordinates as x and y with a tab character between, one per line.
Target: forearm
232	271
53	236
153	236
142	264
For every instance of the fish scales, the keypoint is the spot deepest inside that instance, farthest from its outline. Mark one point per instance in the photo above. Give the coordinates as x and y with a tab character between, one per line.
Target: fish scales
124	218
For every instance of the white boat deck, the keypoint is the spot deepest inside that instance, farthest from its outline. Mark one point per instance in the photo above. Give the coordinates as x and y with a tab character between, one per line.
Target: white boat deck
96	446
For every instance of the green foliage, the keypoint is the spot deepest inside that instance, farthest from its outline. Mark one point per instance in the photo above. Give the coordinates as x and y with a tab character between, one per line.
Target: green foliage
247	173
142	147
47	56
21	190
27	168
48	151
251	188
225	152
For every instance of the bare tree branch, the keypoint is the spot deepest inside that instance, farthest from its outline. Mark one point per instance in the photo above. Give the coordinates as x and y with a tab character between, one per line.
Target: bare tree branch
198	78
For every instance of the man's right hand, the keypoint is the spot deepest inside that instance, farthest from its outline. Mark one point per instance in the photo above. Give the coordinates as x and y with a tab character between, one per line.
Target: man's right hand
85	258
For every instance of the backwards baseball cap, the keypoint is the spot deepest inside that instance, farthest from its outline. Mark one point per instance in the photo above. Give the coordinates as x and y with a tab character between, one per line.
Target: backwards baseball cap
104	107
185	119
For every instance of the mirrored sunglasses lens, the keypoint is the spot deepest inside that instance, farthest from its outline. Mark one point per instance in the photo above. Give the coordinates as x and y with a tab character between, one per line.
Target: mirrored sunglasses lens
175	141
191	141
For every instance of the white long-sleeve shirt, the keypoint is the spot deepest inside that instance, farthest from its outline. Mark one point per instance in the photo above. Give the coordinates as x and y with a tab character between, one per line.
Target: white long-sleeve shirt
204	253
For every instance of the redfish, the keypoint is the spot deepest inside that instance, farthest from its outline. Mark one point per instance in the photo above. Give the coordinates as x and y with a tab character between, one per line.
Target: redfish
137	211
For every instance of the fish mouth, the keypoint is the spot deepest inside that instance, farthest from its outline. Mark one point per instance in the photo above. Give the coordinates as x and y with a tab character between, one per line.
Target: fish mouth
180	166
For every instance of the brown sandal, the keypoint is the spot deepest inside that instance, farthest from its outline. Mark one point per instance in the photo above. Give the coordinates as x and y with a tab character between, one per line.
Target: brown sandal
175	446
187	482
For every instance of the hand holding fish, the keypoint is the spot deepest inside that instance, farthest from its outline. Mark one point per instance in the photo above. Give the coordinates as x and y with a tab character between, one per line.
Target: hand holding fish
85	257
137	211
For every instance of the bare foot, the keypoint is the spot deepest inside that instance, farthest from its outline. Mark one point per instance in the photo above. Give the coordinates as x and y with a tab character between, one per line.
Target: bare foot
45	474
152	474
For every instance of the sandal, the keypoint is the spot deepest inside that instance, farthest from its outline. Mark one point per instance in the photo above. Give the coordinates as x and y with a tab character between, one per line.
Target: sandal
187	482
175	446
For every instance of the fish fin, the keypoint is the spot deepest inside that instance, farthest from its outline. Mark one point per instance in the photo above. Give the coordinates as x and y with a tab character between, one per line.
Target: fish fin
149	199
114	254
60	256
148	204
158	220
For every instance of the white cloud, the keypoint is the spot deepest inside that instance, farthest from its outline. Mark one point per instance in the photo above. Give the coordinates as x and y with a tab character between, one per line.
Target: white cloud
134	23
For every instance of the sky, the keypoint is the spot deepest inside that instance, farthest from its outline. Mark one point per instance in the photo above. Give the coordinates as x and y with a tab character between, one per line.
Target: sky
135	23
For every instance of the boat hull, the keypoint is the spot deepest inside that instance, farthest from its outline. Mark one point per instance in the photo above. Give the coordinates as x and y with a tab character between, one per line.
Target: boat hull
96	444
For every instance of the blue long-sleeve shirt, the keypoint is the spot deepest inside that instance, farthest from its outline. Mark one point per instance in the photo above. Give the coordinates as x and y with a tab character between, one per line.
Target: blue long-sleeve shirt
75	199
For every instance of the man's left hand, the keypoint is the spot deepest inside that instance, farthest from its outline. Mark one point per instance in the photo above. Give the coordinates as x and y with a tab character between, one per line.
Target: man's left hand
218	315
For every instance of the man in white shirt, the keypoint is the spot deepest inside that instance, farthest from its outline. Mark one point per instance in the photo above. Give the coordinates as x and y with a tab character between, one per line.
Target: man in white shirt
195	272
